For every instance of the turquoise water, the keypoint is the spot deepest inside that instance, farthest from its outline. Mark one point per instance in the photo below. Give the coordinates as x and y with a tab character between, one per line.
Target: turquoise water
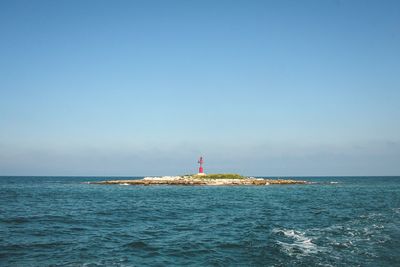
61	221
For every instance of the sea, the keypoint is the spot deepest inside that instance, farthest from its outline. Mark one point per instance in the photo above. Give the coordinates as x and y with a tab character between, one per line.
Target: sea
66	221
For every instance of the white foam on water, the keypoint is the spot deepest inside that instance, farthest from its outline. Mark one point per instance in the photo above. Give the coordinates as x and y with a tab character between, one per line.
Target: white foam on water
300	242
353	236
124	184
378	226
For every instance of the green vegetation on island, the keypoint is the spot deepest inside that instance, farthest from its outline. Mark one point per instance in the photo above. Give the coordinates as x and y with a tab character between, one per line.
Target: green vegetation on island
203	179
220	176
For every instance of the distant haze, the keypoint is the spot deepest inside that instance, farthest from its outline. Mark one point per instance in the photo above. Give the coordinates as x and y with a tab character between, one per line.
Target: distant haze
146	87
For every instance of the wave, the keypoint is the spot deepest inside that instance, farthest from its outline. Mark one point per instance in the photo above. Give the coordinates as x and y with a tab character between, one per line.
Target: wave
296	242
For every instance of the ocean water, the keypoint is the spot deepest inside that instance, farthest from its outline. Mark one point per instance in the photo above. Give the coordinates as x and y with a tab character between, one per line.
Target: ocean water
62	221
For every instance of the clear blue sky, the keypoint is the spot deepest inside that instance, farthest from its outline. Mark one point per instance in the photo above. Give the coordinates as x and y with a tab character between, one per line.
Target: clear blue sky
145	87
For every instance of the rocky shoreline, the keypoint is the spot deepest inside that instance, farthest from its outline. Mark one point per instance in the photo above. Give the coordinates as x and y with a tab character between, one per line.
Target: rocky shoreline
194	180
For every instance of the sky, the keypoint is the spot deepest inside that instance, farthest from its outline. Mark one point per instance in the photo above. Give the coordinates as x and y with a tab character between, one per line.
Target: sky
268	88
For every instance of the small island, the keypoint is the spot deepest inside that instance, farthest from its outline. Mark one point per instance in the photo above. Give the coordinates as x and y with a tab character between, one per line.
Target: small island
203	179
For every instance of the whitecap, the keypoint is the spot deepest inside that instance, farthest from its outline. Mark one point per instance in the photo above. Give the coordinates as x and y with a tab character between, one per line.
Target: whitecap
300	243
378	226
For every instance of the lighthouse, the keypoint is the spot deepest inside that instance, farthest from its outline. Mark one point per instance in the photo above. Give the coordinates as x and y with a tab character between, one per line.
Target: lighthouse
201	166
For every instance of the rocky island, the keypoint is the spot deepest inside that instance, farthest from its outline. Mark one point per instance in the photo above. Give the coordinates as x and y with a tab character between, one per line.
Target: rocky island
204	179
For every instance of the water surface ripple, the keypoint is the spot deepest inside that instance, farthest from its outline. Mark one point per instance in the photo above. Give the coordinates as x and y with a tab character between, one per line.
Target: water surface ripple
61	221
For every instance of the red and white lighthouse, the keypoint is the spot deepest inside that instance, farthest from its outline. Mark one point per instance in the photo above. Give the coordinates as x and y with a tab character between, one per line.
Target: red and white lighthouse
201	161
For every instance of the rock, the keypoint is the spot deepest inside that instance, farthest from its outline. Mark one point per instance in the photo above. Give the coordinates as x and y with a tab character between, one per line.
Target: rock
195	180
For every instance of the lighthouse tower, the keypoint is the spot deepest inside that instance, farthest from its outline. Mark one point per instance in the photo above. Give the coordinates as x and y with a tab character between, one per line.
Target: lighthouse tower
201	166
